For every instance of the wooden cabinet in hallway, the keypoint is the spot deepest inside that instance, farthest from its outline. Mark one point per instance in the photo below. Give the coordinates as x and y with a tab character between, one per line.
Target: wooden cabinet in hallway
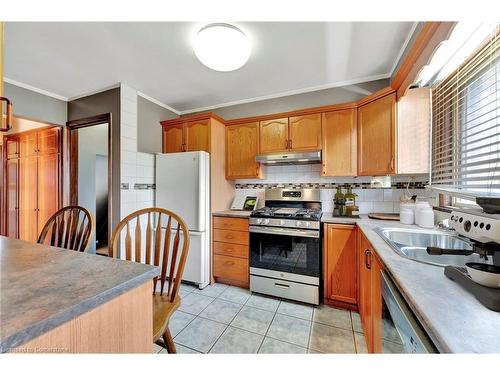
32	163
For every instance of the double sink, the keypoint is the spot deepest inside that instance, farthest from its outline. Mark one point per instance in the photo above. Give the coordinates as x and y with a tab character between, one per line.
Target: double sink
413	243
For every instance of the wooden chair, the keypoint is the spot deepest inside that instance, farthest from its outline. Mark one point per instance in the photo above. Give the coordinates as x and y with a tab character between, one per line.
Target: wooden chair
71	228
157	252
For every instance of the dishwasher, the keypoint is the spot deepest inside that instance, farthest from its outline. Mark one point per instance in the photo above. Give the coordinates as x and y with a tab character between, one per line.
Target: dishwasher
401	332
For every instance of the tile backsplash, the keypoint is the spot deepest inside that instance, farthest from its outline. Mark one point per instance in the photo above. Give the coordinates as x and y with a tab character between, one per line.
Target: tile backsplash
308	176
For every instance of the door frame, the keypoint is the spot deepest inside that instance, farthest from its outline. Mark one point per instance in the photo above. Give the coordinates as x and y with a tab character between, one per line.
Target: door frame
71	140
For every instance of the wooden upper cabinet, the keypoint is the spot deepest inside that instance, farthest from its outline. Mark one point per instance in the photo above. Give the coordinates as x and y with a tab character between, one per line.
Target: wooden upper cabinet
377	137
340	273
28	194
12	202
242	146
339	143
274	135
173	138
414	124
197	135
48	141
28	144
305	132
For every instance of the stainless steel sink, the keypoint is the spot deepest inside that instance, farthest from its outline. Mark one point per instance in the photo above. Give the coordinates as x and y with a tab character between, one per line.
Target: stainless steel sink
412	244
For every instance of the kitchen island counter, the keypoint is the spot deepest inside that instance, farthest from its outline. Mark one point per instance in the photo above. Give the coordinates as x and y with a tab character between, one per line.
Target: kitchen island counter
43	288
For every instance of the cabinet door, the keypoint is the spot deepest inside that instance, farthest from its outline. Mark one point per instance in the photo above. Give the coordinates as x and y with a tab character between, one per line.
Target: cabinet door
173	138
340	264
198	136
12	207
48	141
28	144
376	303
305	132
273	135
28	187
12	147
48	188
377	137
339	143
364	299
242	145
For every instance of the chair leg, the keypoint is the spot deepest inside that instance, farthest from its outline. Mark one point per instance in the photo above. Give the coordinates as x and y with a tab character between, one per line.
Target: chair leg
169	341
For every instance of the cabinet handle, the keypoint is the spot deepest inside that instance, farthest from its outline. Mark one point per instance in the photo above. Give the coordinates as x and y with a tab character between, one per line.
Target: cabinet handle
229	263
286	143
229	236
290	144
367	259
391	165
284	286
229	250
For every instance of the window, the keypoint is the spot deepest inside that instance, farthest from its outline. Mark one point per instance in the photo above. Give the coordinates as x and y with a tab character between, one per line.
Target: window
466	124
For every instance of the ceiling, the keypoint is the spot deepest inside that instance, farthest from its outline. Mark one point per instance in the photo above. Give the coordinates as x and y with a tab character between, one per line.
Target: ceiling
70	59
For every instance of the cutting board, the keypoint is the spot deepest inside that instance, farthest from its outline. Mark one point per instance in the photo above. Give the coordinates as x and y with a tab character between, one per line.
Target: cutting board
383	216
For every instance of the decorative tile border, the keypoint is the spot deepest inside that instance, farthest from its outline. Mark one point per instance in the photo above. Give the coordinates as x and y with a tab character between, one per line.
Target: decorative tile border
331	185
126	186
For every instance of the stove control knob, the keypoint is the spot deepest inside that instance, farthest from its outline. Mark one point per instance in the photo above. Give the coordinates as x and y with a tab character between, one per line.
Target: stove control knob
259	221
298	223
308	224
266	221
467	225
282	222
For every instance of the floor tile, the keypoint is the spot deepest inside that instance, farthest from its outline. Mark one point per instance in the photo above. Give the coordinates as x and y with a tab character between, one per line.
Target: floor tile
188	287
221	311
235	294
293	330
333	317
271	346
253	320
359	338
178	321
194	303
156	348
214	290
200	334
237	341
389	347
357	326
181	349
296	310
263	302
329	339
312	351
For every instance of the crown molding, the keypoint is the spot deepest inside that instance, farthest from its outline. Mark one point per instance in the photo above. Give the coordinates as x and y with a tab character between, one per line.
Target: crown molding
35	89
290	93
93	92
157	102
404	46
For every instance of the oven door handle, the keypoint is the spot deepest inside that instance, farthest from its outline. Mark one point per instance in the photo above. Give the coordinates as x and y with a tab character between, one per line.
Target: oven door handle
284	231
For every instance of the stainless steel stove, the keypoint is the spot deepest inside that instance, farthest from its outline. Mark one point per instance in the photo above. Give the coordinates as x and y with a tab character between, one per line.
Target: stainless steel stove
285	245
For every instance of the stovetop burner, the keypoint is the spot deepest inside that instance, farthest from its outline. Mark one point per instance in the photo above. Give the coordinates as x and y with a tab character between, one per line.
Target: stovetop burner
288	212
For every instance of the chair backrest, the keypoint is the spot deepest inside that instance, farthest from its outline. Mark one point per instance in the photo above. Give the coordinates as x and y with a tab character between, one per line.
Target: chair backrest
71	228
162	236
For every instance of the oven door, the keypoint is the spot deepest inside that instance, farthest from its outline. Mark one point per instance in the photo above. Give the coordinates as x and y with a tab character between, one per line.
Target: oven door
286	251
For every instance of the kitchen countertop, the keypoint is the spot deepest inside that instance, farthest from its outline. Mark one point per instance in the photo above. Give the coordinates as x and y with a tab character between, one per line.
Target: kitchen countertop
453	318
43	287
232	213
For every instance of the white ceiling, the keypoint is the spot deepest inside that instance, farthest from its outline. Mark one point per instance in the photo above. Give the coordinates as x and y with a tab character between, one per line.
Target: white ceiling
70	59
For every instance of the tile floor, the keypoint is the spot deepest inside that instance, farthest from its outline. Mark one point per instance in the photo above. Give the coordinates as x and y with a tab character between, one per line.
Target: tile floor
226	319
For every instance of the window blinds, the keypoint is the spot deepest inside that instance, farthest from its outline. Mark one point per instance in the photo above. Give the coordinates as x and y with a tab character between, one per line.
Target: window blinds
466	123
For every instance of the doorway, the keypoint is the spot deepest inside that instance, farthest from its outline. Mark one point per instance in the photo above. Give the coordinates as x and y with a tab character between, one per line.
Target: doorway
90	177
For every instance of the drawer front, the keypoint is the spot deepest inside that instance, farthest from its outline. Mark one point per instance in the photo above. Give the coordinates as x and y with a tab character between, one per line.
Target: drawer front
231	249
231	223
231	268
230	236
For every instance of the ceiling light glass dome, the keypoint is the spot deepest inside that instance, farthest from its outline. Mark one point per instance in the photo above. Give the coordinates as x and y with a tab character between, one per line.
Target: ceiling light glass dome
222	47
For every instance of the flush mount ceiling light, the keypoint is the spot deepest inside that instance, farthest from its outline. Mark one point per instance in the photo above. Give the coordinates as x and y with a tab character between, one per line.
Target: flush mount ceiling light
222	47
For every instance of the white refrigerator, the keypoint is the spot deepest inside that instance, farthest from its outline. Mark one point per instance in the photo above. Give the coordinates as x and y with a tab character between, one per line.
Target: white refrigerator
183	186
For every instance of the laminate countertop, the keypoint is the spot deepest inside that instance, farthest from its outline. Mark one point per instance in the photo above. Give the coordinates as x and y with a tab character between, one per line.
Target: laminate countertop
452	317
43	287
232	213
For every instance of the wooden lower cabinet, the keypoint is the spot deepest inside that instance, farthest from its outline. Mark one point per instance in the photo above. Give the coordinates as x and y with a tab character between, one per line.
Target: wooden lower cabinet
370	294
340	266
230	249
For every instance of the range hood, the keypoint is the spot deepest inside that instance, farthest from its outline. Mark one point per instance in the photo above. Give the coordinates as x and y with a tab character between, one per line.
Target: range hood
287	158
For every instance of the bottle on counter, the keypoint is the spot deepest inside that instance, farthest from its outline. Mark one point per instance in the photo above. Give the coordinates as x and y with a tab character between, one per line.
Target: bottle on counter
350	202
338	207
